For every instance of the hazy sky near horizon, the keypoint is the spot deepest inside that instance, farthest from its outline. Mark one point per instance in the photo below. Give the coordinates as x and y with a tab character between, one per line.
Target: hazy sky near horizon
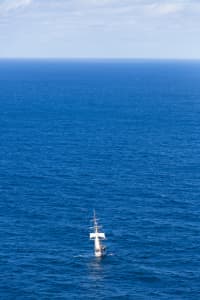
100	28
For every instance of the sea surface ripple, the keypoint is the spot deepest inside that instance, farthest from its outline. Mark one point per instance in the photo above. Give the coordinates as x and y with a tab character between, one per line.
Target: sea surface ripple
122	137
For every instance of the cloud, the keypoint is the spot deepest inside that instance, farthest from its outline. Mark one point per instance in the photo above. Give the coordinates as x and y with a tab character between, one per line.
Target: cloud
99	27
115	7
10	5
165	8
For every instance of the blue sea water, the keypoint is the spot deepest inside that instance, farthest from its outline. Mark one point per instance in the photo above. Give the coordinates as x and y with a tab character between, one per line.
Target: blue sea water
122	137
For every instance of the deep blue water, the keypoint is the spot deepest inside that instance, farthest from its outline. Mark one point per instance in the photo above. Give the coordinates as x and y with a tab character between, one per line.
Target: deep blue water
122	137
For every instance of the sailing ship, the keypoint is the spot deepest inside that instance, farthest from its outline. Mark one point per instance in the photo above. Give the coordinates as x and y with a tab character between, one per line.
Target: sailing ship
99	248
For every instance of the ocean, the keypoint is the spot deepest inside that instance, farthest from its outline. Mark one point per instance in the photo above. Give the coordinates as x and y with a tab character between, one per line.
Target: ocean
118	136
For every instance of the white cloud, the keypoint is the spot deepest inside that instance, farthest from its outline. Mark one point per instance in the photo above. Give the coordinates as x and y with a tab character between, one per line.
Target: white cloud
99	28
165	8
9	5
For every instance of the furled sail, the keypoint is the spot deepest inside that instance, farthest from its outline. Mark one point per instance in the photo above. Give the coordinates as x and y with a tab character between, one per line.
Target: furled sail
97	234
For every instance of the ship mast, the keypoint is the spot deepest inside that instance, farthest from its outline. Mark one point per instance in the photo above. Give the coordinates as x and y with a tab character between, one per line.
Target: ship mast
96	227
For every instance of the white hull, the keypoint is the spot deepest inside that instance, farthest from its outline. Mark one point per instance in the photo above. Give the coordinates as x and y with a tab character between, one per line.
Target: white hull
99	254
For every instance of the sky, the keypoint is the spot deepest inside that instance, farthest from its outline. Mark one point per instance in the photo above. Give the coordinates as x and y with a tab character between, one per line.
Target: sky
100	29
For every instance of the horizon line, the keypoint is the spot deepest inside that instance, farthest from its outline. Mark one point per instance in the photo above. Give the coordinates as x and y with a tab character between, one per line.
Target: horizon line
97	59
103	58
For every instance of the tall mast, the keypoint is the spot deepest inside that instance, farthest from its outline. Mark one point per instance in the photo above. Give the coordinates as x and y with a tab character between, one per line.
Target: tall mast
96	227
95	221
